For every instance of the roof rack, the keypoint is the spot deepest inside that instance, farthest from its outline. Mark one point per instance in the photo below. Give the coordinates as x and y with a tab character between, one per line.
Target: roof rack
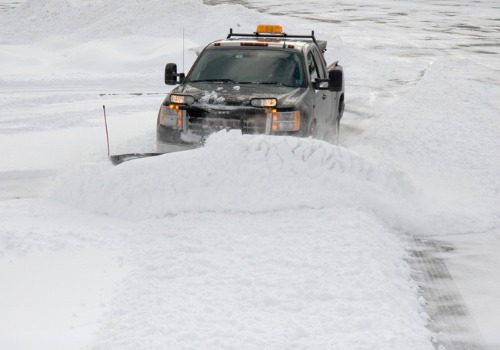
268	35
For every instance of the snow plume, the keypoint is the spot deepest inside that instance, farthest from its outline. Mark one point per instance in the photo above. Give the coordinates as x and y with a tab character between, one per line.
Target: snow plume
241	173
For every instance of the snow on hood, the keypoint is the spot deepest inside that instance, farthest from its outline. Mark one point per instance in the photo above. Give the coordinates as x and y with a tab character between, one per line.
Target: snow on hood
240	94
240	173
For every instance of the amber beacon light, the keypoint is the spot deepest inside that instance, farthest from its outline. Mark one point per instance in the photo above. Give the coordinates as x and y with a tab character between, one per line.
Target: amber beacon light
269	29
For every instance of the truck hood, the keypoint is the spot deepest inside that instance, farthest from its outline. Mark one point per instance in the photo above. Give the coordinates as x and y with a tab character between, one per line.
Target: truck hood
228	94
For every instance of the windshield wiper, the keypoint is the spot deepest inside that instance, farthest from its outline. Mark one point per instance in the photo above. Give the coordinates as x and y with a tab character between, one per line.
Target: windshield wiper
215	81
261	82
279	83
271	82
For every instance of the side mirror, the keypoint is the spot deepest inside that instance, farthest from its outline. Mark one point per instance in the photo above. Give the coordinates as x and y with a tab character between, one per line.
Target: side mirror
171	75
336	78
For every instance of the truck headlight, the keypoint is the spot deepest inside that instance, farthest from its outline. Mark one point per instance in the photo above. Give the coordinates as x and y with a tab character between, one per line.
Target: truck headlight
181	99
282	121
264	102
172	116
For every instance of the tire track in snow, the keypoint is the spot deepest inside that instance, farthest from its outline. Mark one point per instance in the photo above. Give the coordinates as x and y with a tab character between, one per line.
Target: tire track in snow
449	320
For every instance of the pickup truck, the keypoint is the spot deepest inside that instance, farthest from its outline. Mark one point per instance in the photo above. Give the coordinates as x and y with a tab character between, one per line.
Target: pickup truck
266	82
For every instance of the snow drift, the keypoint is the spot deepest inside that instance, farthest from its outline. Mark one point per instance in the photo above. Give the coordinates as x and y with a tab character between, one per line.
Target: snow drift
241	173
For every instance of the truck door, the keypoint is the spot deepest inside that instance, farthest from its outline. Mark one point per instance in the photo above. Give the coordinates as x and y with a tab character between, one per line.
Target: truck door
323	98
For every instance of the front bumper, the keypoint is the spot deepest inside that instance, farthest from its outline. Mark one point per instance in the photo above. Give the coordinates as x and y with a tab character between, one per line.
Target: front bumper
199	123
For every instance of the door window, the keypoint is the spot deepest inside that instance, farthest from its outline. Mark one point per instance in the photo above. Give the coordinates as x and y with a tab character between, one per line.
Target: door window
312	66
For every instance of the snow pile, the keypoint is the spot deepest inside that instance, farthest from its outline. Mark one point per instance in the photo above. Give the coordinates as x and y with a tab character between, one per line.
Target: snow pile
98	19
446	135
70	40
241	173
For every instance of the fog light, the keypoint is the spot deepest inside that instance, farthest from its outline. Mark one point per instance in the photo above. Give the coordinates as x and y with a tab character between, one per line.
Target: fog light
172	116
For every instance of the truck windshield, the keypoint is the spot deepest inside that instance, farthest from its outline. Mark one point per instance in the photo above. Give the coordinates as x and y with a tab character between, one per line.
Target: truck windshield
250	66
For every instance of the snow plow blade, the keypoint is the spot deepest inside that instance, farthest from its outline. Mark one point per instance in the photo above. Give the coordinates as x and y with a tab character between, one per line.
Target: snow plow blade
120	158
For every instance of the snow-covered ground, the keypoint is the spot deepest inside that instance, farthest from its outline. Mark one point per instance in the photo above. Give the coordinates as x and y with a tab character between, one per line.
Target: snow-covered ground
251	242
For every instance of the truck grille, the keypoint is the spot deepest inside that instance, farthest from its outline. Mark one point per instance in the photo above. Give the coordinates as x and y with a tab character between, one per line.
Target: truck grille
204	122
